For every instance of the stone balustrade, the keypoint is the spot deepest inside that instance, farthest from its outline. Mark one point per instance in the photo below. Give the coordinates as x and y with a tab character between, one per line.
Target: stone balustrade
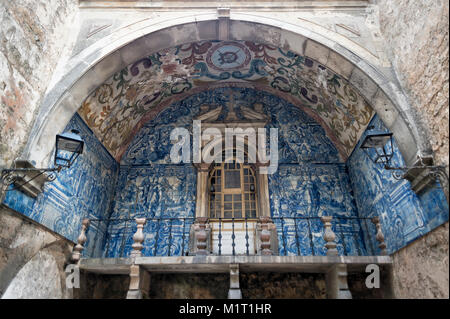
76	253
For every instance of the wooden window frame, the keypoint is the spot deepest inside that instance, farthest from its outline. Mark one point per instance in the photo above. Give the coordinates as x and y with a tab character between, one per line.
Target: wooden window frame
252	200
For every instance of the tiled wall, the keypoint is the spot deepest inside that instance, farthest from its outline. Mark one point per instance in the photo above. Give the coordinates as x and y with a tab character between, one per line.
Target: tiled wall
404	215
85	190
157	192
310	181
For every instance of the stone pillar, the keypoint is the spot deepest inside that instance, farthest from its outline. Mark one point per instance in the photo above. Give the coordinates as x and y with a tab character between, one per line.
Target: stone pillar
380	236
139	283
76	254
235	290
201	209
263	192
336	280
138	238
329	236
262	188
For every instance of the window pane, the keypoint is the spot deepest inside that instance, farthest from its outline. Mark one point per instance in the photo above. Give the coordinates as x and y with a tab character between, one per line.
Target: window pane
232	179
227	198
237	197
227	215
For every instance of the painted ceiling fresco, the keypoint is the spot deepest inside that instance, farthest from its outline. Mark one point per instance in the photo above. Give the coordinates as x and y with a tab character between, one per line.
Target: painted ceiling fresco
118	108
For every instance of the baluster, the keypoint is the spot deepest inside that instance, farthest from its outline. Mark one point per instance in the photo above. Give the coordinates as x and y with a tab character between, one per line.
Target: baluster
329	236
246	236
76	254
233	244
200	235
265	235
380	236
138	238
220	236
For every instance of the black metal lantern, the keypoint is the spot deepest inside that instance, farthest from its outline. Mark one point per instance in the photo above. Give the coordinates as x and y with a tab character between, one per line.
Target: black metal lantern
29	179
382	152
69	146
381	143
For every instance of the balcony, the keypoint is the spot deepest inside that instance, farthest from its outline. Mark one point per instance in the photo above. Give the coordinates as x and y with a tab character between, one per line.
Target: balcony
333	246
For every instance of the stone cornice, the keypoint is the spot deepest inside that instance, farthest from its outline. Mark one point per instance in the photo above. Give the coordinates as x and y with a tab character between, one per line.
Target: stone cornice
233	4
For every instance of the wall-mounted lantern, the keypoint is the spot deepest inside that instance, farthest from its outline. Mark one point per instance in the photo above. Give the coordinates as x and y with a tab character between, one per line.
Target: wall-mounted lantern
69	146
381	142
383	150
30	180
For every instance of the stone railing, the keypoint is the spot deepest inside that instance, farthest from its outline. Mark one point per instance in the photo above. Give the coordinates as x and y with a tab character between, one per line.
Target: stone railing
264	236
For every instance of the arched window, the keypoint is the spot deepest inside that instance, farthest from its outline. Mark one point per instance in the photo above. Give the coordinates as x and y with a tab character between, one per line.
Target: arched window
232	190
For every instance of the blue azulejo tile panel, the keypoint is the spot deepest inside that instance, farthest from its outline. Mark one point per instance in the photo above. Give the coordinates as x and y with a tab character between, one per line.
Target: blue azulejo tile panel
301	138
83	191
404	215
150	186
165	196
300	194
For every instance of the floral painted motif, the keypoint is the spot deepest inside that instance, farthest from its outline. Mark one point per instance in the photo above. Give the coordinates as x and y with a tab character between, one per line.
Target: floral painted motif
121	105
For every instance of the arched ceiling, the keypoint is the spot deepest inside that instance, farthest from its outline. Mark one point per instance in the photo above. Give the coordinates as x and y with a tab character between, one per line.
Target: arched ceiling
120	106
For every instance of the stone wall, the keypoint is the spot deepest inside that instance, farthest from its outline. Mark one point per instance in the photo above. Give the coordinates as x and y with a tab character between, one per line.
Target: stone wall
421	269
189	286
34	37
32	258
95	286
416	34
254	285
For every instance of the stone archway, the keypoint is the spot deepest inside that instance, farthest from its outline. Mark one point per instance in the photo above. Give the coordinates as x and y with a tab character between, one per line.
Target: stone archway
98	62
